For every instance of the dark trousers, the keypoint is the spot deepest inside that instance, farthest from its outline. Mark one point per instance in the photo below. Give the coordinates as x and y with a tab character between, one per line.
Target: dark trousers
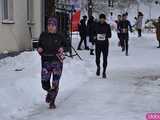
159	43
91	40
120	40
104	49
124	42
139	32
83	39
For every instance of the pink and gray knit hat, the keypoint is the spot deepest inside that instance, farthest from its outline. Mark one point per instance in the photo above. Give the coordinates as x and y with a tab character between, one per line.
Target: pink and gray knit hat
53	21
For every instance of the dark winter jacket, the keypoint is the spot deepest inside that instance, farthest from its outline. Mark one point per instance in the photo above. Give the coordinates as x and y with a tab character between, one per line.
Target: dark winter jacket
50	42
103	33
91	29
139	22
157	25
83	28
124	26
117	22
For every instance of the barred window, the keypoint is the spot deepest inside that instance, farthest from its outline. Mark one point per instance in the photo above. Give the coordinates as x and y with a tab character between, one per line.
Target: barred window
7	11
0	10
29	10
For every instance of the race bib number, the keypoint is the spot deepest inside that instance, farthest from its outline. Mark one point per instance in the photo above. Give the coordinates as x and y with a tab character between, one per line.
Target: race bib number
101	37
125	30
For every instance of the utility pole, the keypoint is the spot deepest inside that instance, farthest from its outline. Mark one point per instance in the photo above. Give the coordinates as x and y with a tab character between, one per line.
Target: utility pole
110	5
90	8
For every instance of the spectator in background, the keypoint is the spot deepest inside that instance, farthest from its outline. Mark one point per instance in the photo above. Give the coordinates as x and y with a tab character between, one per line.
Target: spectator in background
139	23
124	26
111	21
91	32
157	25
83	33
119	19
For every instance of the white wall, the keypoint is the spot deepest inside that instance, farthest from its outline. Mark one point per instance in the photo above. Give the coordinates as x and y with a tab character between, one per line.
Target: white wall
0	11
37	18
15	37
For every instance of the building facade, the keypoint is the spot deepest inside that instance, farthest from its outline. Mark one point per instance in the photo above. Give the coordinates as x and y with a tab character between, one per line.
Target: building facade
20	21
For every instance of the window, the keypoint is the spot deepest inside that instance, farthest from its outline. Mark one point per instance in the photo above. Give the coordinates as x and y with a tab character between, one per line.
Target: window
0	10
7	11
29	10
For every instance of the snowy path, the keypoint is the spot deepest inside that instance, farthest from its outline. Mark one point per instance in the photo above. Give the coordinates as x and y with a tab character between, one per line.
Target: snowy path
102	102
131	91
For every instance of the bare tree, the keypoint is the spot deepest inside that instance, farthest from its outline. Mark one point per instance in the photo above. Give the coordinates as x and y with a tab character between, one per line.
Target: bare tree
122	5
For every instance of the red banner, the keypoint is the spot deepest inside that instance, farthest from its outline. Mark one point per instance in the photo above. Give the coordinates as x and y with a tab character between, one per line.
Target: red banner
75	20
76	14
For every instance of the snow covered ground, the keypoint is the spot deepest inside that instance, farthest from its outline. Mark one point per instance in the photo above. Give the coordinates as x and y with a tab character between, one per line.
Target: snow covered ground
131	91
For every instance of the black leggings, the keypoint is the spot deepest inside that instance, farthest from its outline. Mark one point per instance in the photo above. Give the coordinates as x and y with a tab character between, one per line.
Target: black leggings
104	50
124	42
139	32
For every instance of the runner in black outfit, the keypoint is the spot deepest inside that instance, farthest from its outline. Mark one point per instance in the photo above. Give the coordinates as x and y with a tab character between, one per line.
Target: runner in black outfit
119	19
103	33
124	27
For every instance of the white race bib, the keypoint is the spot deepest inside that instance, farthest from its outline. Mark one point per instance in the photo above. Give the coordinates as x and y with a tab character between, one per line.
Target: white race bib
101	37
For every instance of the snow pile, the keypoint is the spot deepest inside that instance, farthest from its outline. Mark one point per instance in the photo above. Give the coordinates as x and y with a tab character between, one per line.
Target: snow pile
21	90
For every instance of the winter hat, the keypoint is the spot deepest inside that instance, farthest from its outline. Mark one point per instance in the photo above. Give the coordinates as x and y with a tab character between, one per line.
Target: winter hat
102	16
124	15
140	13
84	17
159	18
53	21
91	18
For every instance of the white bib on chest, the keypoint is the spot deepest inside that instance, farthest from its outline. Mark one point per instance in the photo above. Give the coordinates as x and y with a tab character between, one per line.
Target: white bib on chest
101	37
